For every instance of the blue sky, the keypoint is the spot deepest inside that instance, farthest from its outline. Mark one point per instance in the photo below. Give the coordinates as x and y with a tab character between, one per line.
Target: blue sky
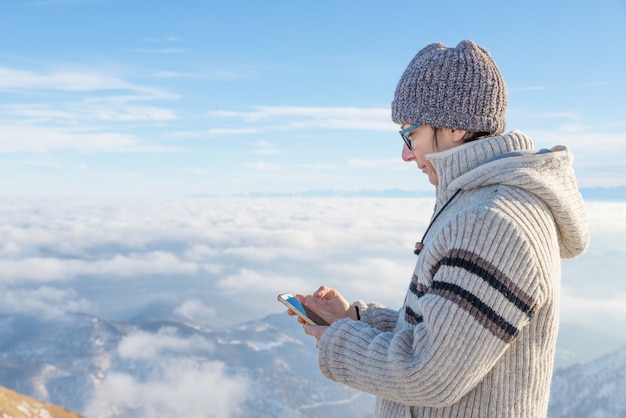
166	99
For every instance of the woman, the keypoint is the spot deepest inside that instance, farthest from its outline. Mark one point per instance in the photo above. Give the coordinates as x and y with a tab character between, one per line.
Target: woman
476	334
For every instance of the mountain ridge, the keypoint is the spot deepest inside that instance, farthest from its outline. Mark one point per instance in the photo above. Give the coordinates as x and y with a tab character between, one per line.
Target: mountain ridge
592	389
263	368
607	194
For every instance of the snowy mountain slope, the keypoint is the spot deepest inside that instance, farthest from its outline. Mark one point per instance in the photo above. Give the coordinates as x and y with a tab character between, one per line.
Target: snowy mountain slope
596	389
152	368
266	368
45	358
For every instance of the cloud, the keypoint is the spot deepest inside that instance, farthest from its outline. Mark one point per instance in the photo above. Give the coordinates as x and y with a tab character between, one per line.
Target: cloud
46	302
35	139
107	94
162	50
262	284
234	131
395	273
158	51
224	260
215	74
48	269
201	255
72	113
176	388
196	311
167	39
171	377
77	110
291	117
144	345
24	138
606	314
264	148
529	88
71	81
598	155
593	288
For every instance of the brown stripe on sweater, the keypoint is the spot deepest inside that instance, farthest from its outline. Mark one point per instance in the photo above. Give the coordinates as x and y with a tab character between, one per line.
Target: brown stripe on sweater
485	316
482	268
417	288
412	317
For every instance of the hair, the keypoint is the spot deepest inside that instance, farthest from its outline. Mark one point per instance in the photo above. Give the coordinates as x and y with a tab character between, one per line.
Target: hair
469	137
473	136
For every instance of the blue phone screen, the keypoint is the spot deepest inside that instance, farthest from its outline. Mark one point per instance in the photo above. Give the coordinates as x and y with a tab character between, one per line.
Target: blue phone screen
296	304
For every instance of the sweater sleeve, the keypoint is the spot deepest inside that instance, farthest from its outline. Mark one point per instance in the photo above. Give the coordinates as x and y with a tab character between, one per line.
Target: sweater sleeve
377	316
484	283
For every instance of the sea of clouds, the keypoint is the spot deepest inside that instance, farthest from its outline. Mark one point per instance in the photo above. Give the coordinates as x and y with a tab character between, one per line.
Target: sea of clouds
222	261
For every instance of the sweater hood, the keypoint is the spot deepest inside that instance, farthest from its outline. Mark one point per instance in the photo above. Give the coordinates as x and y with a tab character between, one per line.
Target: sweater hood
511	160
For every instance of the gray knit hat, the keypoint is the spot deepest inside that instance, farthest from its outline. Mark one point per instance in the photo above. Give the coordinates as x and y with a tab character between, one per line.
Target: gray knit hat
457	88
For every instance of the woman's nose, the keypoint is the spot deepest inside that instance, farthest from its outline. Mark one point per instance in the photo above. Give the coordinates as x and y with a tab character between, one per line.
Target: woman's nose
407	154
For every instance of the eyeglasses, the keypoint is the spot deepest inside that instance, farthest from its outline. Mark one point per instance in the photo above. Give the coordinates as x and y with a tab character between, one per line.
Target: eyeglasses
405	134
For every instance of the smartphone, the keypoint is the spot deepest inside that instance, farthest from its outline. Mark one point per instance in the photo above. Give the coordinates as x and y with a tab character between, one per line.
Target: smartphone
301	309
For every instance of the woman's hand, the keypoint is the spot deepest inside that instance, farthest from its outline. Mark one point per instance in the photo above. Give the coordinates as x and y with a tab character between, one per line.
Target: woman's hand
327	303
315	331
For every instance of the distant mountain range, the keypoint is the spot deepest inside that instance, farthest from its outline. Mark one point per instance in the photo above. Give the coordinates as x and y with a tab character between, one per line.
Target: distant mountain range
165	367
589	193
397	193
594	389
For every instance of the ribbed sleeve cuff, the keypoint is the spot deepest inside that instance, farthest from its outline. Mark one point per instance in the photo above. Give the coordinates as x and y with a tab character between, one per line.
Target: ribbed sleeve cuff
377	316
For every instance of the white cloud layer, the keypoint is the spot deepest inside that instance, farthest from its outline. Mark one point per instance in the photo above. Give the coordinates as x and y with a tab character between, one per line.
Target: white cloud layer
45	302
205	255
44	269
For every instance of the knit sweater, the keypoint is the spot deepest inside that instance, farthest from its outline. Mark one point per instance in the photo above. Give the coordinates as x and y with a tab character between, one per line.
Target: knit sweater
476	334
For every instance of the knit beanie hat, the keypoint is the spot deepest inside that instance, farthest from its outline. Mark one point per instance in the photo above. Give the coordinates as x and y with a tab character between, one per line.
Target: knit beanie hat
456	88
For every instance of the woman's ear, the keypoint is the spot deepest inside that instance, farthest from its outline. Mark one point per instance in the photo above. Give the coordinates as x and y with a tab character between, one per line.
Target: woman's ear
458	136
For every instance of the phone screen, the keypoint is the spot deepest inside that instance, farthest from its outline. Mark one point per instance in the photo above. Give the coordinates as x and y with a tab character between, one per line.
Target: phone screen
306	313
295	303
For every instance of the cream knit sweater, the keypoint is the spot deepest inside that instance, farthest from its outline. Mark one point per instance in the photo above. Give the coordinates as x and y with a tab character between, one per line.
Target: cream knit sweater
476	334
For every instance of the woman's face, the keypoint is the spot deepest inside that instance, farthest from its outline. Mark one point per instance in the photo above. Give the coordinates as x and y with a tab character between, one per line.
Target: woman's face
423	142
